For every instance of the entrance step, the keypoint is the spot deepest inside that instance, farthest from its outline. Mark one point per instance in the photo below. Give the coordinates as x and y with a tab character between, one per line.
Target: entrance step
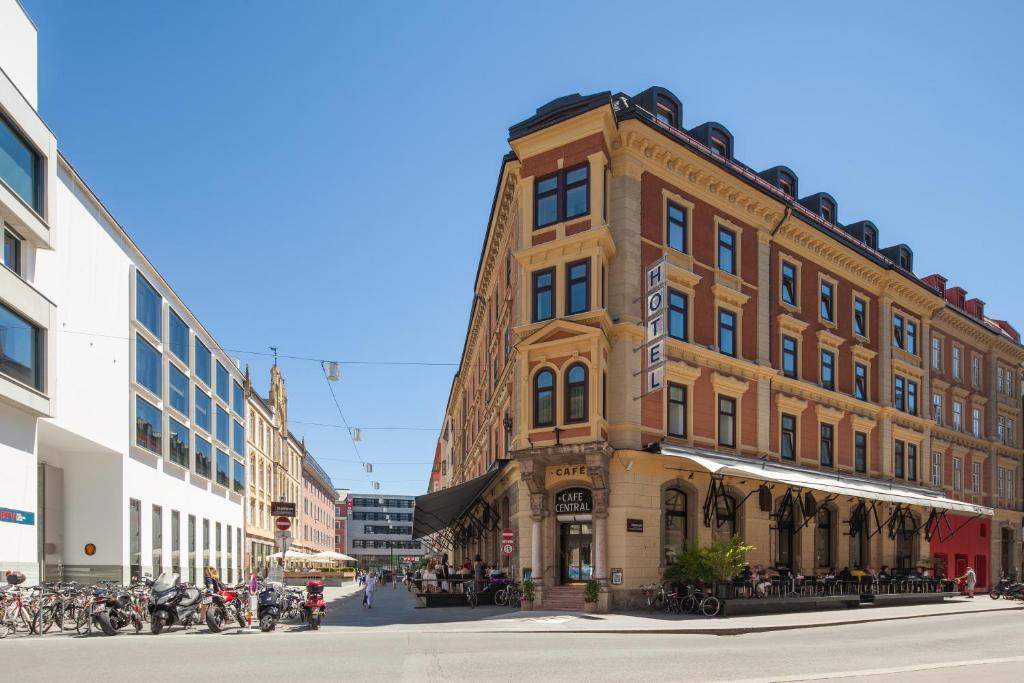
563	598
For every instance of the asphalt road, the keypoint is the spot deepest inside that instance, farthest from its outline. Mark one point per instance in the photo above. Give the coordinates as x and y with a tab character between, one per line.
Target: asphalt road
961	647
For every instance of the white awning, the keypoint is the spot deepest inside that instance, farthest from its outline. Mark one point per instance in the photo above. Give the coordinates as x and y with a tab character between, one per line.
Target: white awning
836	483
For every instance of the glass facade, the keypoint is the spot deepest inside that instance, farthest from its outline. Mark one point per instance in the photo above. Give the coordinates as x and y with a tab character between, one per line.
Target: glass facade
147	366
20	166
239	477
177	440
223	468
223	384
204	363
148	426
147	306
204	457
178	333
238	399
238	438
223	426
203	408
177	389
20	349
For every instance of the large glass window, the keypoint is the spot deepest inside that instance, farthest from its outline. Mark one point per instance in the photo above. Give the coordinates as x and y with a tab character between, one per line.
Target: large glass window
912	337
178	333
561	196
827	445
727	250
135	537
203	363
148	426
223	426
203	408
147	365
828	363
860	317
147	305
20	166
897	331
726	332
912	397
676	410
578	287
238	477
912	462
20	349
223	384
238	398
204	457
823	538
12	251
544	399
899	393
828	302
676	222
576	394
678	305
177	440
726	421
674	511
789	283
860	381
238	438
158	540
898	458
177	385
789	363
223	468
544	295
787	448
860	451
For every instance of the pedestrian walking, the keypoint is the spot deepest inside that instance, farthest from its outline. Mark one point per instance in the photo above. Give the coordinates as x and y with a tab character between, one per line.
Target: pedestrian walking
970	580
371	586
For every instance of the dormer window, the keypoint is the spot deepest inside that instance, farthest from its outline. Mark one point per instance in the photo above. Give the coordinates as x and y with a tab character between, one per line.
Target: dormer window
666	111
719	145
828	212
904	260
870	238
786	184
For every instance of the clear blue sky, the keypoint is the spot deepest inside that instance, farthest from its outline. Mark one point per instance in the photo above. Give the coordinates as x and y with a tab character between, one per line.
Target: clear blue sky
317	175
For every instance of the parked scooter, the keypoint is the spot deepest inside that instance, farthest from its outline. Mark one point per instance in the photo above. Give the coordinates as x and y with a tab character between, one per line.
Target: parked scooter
227	605
270	605
112	611
1011	590
314	608
173	602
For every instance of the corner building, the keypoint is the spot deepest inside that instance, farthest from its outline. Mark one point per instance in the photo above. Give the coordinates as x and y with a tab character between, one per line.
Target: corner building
801	387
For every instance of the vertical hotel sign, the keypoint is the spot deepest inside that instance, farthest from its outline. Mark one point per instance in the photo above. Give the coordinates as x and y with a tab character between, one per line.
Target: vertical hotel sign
655	324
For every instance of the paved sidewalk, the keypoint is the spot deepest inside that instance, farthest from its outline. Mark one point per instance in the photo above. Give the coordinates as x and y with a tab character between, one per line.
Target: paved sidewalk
397	610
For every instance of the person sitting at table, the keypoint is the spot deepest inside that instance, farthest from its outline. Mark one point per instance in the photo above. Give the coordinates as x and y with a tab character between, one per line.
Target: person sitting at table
845	576
430	578
764	581
885	574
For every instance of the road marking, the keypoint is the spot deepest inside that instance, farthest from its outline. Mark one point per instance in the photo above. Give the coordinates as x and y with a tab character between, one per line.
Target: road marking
930	666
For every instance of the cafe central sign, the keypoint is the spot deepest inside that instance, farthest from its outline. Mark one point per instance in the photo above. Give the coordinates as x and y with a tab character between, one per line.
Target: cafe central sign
574	501
655	325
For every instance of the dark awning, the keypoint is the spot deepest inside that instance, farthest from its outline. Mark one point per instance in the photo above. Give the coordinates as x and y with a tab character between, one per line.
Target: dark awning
438	510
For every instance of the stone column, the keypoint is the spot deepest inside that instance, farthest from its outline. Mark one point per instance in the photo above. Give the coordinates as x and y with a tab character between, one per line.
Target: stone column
537	545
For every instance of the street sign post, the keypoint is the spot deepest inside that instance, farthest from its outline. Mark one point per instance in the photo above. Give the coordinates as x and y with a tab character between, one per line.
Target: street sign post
508	544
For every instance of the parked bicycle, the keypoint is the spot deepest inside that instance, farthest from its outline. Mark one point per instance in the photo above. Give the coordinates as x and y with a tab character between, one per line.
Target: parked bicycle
509	595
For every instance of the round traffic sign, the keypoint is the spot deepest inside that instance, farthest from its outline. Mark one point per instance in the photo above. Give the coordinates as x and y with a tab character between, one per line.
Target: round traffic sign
283	523
506	548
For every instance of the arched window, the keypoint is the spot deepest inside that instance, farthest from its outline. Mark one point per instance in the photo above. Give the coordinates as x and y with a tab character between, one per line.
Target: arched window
544	399
823	537
724	524
576	394
674	510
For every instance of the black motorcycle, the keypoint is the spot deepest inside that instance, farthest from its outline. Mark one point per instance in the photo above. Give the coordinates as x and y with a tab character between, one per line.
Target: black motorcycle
112	610
1011	590
271	605
173	602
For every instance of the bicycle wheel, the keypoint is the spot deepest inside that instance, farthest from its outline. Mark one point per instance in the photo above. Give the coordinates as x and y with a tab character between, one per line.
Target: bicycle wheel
690	604
81	619
501	598
710	606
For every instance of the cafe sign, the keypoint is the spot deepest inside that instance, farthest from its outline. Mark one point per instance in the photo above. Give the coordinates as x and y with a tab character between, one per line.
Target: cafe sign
559	473
574	501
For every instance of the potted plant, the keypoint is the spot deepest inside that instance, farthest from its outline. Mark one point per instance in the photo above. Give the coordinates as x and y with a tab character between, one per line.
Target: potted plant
725	559
528	594
590	592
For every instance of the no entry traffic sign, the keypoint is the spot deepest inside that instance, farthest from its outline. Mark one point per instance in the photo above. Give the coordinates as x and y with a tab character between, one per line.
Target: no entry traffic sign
507	535
283	523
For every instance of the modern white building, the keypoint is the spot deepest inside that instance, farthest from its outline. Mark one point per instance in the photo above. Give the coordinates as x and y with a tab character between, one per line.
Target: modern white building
122	422
378	531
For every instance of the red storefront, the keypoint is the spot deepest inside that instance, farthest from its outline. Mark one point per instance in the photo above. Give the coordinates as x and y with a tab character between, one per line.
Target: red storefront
970	546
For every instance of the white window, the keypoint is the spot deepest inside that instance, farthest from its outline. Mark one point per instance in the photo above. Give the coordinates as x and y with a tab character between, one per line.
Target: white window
936	469
958	416
1000	482
936	353
1010	475
1001	428
976	370
958	474
976	478
976	422
999	379
937	408
956	361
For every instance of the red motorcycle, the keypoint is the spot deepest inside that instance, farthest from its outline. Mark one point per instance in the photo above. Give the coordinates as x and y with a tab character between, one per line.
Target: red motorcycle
314	608
225	605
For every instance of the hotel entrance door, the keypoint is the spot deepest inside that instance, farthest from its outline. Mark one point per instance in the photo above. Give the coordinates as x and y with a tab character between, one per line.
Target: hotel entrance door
576	541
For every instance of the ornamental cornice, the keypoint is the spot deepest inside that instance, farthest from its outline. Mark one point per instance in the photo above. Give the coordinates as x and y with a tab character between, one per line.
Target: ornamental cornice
728	385
983	337
729	295
828	414
825	250
901	365
785	402
960	392
788	323
826	338
912	296
939	384
681	371
862	423
682	277
671	161
861	352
